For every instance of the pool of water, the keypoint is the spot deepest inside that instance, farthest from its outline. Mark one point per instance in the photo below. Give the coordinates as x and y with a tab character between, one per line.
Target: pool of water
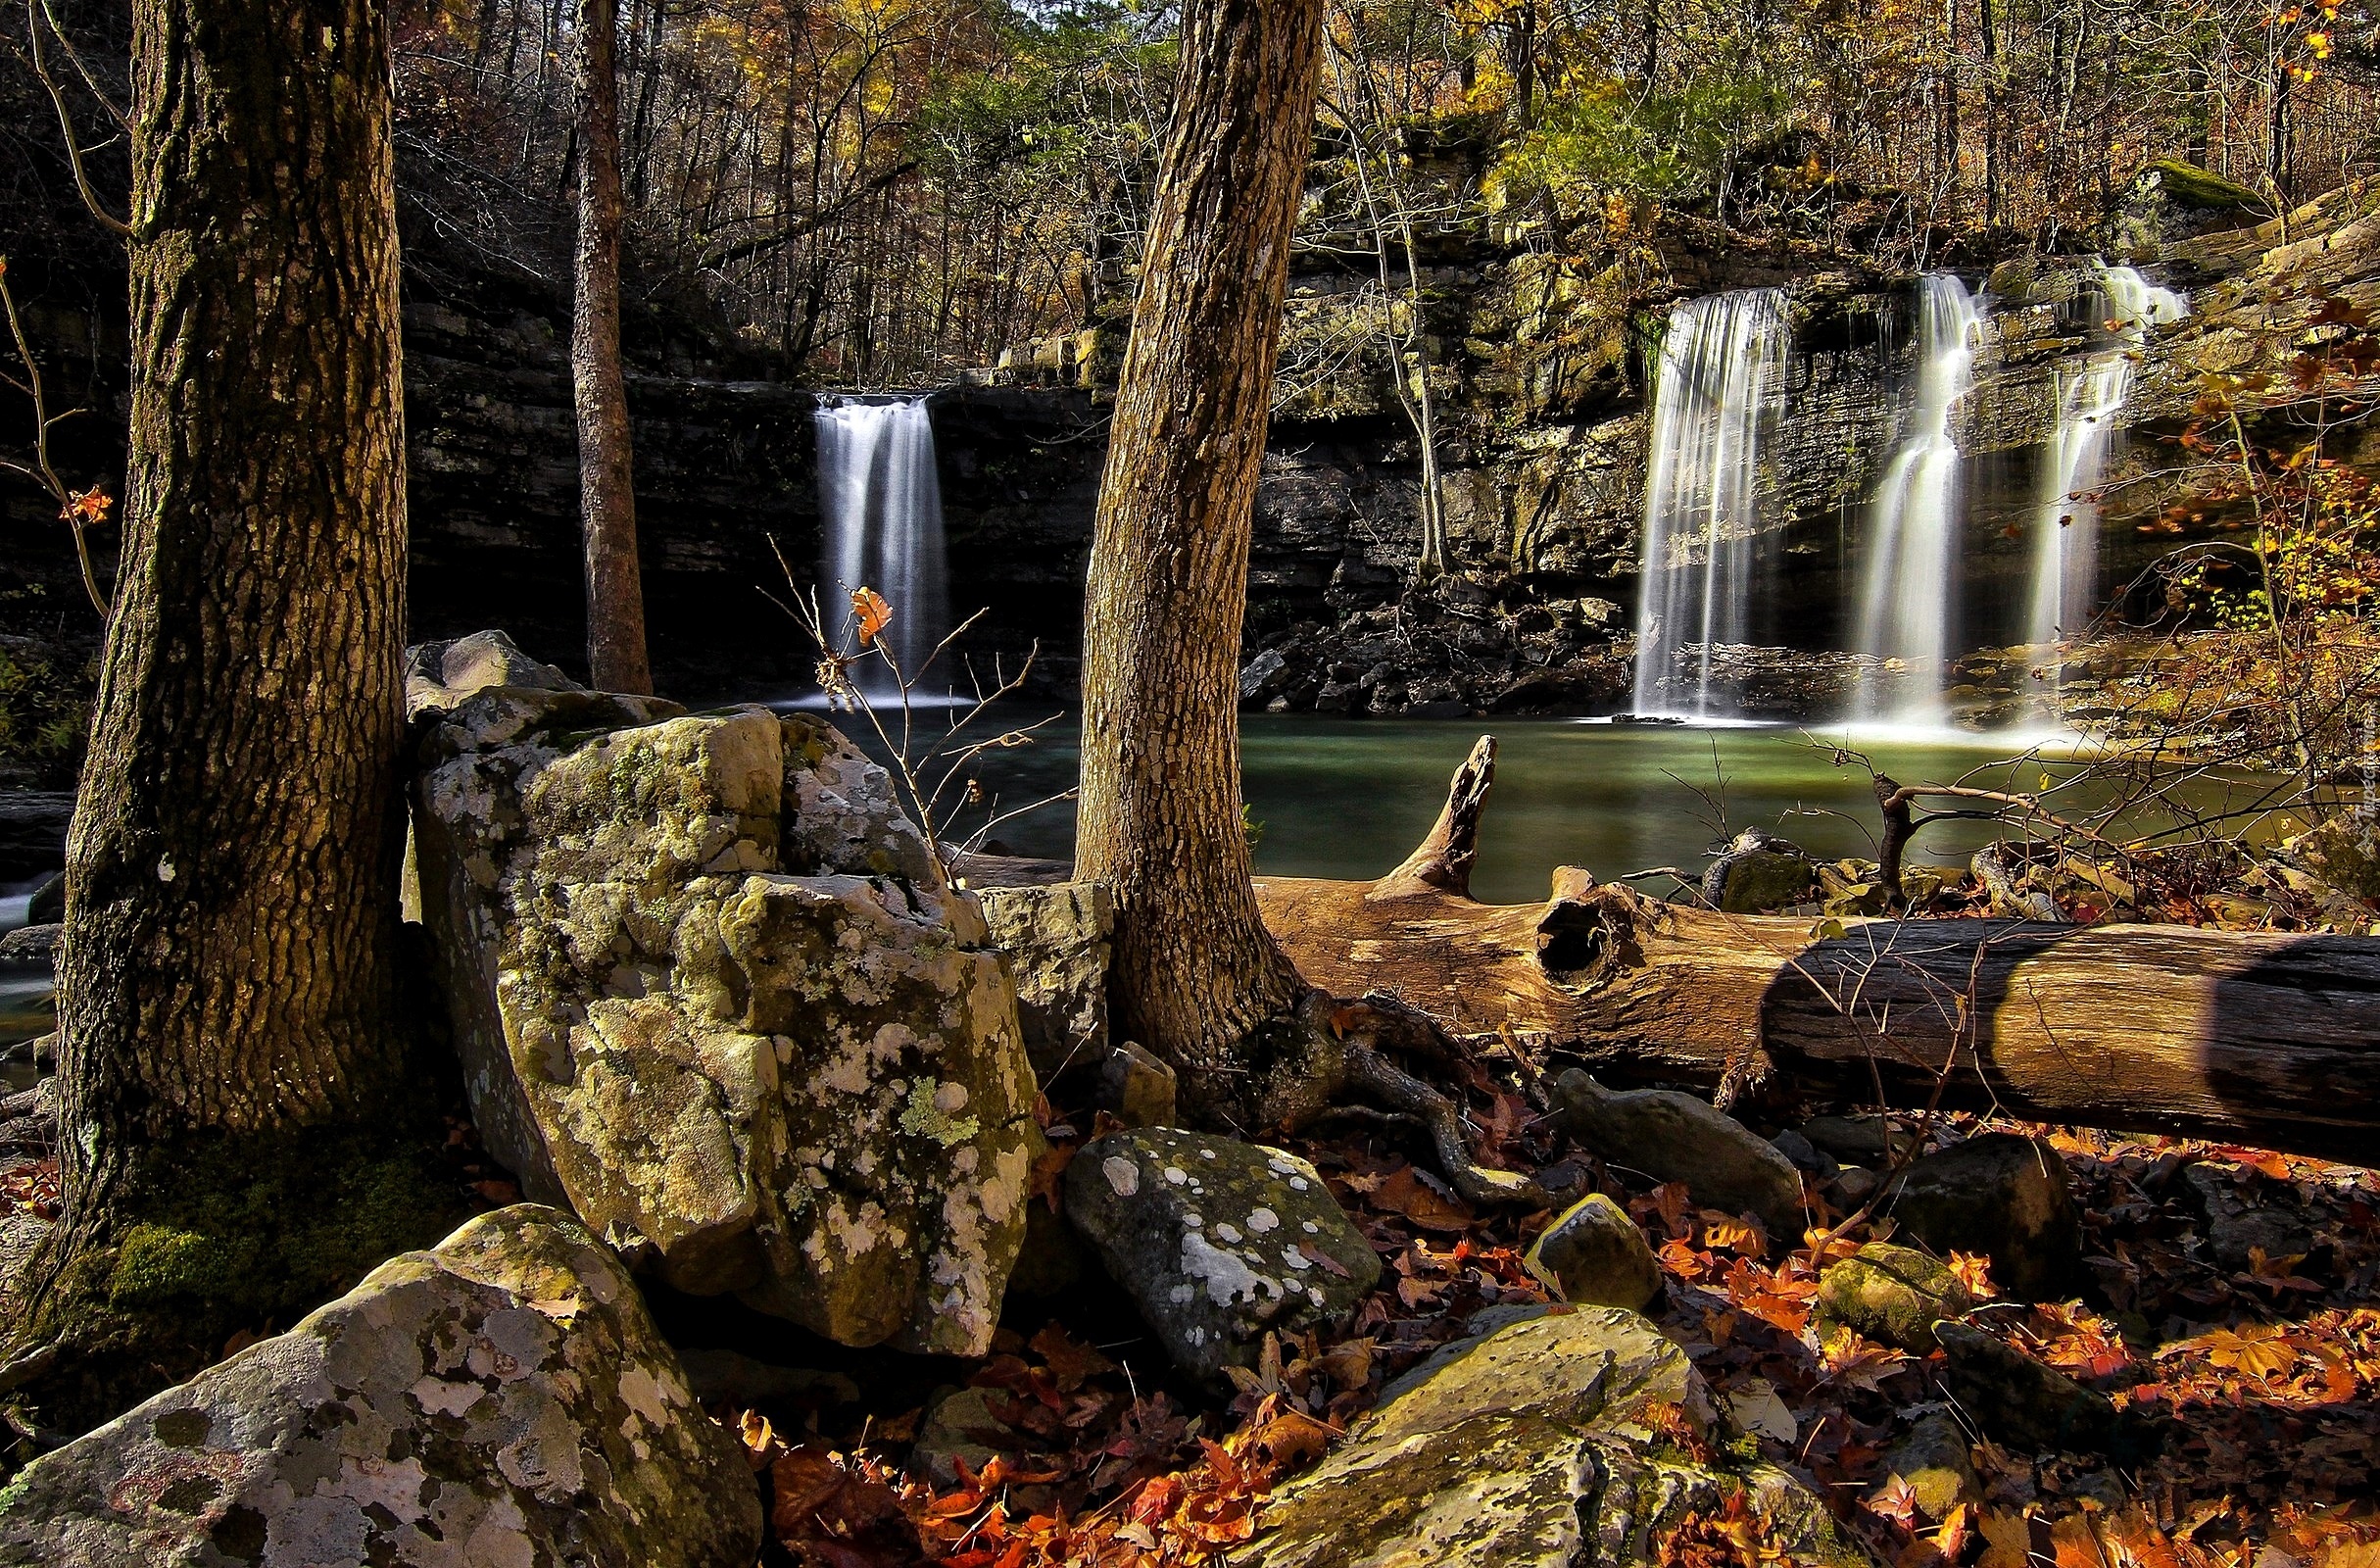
1350	798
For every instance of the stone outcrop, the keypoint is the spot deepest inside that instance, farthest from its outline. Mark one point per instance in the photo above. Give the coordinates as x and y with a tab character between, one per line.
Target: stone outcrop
500	1398
712	994
1217	1241
1536	1444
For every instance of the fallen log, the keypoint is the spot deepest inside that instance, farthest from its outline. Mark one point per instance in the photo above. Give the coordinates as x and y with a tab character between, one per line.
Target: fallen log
2261	1038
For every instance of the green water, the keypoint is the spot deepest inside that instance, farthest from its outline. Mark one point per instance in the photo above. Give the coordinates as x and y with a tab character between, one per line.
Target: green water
1350	798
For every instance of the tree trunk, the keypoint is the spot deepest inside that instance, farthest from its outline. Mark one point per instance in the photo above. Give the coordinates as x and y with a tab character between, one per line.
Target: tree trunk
615	593
229	977
1195	974
2264	1040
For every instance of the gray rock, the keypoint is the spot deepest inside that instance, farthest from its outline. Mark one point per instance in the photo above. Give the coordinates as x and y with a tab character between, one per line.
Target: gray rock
1596	1256
1808	1159
1674	1137
1857	1140
2000	1195
1936	1462
30	944
1530	1447
1765	880
501	1398
2024	1403
1892	1293
1057	937
1137	1088
439	675
1217	1241
46	905
2236	1228
809	1090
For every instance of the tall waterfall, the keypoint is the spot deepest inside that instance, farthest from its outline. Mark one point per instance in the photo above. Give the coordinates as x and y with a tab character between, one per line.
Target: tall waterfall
1911	585
1721	386
2065	546
882	501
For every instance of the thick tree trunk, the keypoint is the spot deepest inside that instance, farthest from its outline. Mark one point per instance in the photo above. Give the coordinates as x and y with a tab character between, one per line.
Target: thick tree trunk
1195	974
616	591
2266	1039
228	971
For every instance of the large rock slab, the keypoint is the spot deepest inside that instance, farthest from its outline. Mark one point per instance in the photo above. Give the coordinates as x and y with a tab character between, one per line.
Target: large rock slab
1217	1241
808	1089
499	1400
1538	1444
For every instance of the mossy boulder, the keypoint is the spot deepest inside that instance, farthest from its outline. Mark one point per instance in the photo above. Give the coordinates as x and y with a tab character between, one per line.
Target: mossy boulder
1594	1255
1057	941
1547	1442
1892	1293
1217	1241
502	1398
714	994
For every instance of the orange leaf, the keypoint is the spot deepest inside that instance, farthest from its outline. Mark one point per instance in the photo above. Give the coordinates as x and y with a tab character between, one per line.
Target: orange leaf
873	615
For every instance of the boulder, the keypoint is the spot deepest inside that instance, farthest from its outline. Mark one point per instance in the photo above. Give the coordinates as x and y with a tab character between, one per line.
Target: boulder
2021	1403
2001	1195
1217	1241
500	1398
1892	1293
1057	937
1541	1444
1137	1088
1594	1255
2236	1227
32	831
1674	1137
2343	851
46	904
712	993
439	675
30	944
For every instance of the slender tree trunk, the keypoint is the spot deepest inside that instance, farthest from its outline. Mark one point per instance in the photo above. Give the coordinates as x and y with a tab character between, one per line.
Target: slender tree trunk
616	591
228	976
1195	974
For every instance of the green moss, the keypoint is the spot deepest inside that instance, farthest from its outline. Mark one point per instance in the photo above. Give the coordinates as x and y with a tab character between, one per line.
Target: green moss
2194	186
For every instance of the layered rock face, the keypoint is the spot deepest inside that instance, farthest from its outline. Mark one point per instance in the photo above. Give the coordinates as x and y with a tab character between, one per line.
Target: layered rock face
502	1397
714	994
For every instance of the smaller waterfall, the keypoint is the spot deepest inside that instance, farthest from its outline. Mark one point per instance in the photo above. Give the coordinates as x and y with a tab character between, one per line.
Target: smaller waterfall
881	498
2065	547
1910	586
1721	385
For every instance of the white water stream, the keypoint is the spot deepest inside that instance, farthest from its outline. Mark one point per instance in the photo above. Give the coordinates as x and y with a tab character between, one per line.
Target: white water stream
881	498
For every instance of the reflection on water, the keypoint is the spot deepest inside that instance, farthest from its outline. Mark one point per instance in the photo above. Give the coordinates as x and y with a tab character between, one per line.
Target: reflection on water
1349	797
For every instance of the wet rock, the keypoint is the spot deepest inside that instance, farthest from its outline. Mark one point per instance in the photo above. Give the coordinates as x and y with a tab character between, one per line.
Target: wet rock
1674	1137
1596	1256
1057	937
1937	1464
2003	1196
2024	1405
1532	1445
1137	1088
806	1088
46	904
500	1399
1217	1241
1892	1293
2237	1226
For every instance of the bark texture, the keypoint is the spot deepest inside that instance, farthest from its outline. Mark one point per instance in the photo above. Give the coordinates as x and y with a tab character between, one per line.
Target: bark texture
1195	975
607	487
229	1004
2272	1041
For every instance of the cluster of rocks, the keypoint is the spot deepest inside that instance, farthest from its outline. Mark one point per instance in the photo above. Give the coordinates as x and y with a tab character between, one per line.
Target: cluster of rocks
1447	648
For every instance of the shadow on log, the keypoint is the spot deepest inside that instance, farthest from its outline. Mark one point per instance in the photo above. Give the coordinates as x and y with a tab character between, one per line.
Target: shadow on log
2268	1040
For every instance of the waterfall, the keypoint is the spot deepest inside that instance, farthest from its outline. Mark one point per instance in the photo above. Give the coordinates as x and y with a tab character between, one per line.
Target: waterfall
1913	546
1721	383
2065	546
881	499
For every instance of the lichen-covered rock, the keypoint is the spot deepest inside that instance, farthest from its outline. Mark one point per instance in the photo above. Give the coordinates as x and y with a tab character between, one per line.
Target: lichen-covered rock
1935	1462
501	1398
1217	1241
440	675
806	1088
1057	937
1893	1294
2003	1196
1535	1446
1675	1137
1594	1254
1139	1087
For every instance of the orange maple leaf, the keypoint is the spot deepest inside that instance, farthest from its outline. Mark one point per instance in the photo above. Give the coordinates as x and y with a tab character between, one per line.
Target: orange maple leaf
869	610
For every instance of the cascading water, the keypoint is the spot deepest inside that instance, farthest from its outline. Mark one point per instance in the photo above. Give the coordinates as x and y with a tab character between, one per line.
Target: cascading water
1913	545
2065	548
1722	384
882	500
